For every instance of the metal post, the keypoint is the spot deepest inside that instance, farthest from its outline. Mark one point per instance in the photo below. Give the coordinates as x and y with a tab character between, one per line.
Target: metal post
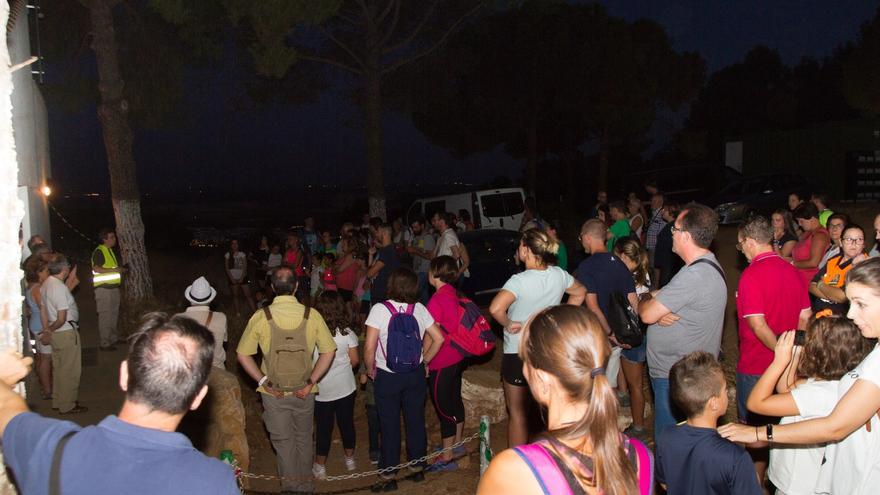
485	447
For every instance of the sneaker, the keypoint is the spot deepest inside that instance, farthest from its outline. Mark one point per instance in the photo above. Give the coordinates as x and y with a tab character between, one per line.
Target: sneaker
374	457
459	451
319	471
442	467
349	463
623	398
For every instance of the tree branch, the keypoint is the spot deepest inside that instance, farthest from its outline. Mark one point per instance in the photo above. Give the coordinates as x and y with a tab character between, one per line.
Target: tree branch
394	3
330	61
400	63
415	32
393	25
342	45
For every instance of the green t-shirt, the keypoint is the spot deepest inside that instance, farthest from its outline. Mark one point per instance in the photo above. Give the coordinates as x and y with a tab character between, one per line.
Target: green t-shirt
562	257
618	230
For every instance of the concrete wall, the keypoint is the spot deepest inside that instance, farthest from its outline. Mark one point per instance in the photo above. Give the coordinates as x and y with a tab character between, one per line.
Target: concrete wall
31	131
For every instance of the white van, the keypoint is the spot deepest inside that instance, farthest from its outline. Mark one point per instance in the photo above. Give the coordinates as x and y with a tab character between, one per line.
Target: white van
489	209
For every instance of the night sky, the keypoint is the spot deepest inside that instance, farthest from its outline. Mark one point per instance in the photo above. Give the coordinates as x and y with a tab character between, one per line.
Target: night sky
319	143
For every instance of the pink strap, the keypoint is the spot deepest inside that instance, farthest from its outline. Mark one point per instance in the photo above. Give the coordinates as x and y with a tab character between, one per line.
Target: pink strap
544	469
646	468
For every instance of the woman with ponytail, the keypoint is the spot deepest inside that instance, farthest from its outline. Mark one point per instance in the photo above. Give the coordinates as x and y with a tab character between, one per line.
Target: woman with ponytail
542	284
564	351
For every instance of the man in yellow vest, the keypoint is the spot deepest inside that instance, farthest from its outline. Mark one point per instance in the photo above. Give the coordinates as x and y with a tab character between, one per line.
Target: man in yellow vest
107	277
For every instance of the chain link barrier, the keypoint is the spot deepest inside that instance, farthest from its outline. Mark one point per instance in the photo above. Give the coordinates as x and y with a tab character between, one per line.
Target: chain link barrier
90	240
242	474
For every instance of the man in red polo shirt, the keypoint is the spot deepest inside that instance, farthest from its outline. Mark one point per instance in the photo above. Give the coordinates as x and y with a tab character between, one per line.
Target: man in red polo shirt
770	299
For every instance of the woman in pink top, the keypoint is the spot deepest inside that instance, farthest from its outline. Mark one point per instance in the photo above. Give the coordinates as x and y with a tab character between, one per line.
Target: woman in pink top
808	251
444	371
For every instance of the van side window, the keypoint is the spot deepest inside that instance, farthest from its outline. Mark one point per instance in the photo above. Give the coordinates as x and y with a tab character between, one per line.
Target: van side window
513	203
493	205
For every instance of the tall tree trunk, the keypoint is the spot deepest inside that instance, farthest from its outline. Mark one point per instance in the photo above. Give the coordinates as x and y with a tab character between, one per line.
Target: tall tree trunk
373	141
604	153
532	158
113	113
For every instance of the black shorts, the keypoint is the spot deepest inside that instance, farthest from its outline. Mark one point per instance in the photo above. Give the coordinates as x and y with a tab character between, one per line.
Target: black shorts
512	370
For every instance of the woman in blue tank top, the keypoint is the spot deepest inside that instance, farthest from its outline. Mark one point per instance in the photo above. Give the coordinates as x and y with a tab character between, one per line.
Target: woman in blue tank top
36	270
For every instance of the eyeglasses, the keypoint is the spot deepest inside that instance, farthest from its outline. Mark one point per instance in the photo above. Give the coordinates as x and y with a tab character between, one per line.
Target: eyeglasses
675	229
854	240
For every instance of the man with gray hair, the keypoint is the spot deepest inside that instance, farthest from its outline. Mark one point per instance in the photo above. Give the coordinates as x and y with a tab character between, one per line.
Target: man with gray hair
137	451
686	315
63	334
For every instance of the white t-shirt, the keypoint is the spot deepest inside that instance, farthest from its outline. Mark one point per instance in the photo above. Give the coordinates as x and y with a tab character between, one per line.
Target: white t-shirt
217	327
57	297
380	316
446	242
238	264
339	380
534	291
794	470
852	466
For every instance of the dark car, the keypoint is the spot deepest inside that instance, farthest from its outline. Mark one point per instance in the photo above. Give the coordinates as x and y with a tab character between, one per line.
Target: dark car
757	194
491	253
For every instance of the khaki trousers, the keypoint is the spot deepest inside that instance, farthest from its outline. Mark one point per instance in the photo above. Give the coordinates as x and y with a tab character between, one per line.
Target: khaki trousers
66	369
107	302
290	421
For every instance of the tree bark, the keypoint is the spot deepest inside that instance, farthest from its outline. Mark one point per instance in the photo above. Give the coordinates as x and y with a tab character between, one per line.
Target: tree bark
372	78
118	137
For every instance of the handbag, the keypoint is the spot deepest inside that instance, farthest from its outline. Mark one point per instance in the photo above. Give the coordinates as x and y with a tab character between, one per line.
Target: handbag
624	321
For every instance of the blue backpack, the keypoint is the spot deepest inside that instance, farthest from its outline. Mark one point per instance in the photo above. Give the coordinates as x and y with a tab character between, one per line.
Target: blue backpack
404	340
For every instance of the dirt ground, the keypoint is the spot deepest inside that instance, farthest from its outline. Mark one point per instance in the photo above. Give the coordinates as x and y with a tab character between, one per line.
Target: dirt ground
173	271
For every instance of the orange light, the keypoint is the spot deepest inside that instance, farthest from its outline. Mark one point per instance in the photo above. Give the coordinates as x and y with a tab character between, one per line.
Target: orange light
46	190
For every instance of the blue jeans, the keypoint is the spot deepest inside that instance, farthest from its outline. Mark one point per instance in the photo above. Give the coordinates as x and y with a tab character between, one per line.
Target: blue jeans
663	416
373	428
395	392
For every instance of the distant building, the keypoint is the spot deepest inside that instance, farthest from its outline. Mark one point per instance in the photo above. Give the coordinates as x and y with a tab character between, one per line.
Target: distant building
842	156
30	125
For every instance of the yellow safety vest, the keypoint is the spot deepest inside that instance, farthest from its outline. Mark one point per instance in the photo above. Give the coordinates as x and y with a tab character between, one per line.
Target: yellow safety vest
110	279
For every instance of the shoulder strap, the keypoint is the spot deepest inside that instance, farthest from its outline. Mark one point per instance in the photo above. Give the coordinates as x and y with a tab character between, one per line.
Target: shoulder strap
544	469
645	467
55	470
267	312
410	308
715	266
211	317
390	307
306	312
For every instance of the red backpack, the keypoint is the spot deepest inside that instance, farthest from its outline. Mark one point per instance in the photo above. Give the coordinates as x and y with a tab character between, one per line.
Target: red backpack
474	336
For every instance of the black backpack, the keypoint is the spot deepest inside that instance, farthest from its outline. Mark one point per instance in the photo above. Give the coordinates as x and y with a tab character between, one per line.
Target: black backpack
624	321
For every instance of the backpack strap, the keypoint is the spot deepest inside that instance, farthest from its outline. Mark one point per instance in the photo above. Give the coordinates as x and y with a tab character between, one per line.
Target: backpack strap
210	317
267	312
410	308
646	466
55	470
715	266
390	307
306	312
544	469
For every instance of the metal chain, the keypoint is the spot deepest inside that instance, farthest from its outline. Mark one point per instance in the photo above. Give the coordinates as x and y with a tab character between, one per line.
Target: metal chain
63	219
365	473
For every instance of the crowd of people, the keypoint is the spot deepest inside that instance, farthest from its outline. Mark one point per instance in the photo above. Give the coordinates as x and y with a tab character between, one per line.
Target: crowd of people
376	310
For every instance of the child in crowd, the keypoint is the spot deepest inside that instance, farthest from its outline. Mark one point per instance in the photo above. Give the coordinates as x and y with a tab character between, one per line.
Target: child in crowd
274	260
262	300
337	388
692	457
372	415
317	274
328	278
807	380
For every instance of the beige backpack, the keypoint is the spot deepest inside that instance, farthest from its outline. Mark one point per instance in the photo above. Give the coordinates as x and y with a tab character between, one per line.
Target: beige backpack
288	363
